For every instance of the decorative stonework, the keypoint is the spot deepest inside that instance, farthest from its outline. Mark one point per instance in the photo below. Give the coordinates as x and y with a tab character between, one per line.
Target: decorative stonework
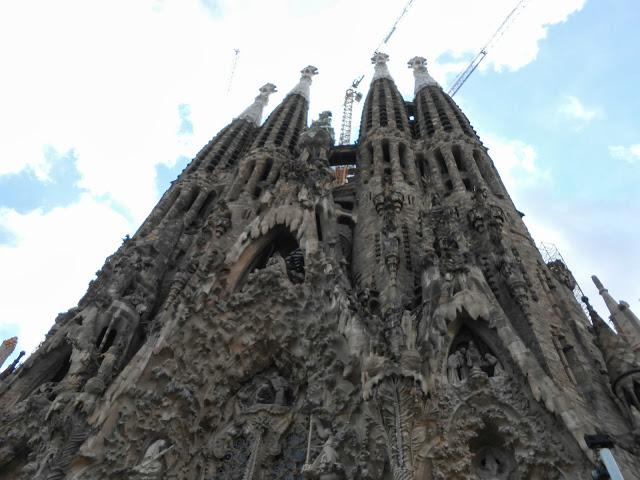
267	323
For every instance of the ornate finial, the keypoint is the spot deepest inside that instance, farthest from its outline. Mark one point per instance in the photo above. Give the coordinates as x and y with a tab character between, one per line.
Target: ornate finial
423	79
302	88
254	112
380	60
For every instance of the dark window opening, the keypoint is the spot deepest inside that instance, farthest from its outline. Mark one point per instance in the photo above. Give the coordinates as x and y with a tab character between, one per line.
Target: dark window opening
457	156
402	153
420	163
441	163
449	186
267	169
318	223
192	198
138	339
100	337
208	202
108	342
285	245
63	368
386	156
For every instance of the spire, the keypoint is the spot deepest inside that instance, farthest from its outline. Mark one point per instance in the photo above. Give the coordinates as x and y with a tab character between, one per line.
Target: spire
604	293
622	365
253	113
302	88
625	321
380	60
423	79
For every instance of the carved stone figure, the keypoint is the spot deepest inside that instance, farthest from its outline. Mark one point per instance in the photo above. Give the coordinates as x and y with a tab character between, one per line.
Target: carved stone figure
151	465
474	359
454	367
327	465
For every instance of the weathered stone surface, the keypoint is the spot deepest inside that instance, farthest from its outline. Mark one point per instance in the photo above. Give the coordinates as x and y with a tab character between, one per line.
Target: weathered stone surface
267	323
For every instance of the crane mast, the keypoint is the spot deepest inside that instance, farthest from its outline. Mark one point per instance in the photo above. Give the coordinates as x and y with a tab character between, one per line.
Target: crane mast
351	95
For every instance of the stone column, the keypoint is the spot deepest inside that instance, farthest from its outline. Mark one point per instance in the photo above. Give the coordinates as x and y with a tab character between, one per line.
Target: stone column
625	321
452	168
435	172
397	175
472	168
378	161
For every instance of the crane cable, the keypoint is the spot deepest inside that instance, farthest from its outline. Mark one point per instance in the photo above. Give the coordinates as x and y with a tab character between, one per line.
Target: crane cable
497	35
405	10
234	65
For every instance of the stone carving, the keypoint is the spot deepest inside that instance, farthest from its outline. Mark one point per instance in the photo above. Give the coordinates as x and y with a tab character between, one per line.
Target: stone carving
422	77
151	466
318	138
455	366
327	465
97	384
380	60
295	265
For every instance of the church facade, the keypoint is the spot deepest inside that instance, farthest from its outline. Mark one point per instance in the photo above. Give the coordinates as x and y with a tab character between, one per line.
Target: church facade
267	321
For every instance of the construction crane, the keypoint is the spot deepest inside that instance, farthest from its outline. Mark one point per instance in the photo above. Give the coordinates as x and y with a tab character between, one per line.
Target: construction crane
352	95
234	65
459	81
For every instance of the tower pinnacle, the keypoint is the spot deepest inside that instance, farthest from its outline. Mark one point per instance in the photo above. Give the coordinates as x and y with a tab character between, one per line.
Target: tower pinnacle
253	113
625	321
302	88
380	60
423	79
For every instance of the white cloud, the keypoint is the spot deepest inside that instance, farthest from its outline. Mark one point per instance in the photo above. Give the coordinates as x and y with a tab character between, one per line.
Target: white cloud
516	162
630	154
573	109
49	266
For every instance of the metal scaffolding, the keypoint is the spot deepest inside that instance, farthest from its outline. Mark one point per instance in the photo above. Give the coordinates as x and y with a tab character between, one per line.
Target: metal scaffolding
550	253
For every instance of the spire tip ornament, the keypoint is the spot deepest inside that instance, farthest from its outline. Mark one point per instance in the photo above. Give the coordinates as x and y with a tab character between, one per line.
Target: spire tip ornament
302	88
379	61
254	112
421	74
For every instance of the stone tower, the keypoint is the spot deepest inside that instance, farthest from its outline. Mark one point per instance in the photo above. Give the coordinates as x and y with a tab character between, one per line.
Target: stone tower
267	322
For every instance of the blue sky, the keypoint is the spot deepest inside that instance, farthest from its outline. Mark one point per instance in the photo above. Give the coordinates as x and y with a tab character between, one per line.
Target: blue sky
104	104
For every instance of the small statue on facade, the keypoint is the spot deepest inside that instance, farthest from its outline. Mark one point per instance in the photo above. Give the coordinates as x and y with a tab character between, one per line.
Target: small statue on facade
454	367
493	364
327	465
151	466
474	359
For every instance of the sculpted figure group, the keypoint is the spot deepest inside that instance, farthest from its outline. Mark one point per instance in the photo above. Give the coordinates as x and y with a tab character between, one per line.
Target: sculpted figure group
466	359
